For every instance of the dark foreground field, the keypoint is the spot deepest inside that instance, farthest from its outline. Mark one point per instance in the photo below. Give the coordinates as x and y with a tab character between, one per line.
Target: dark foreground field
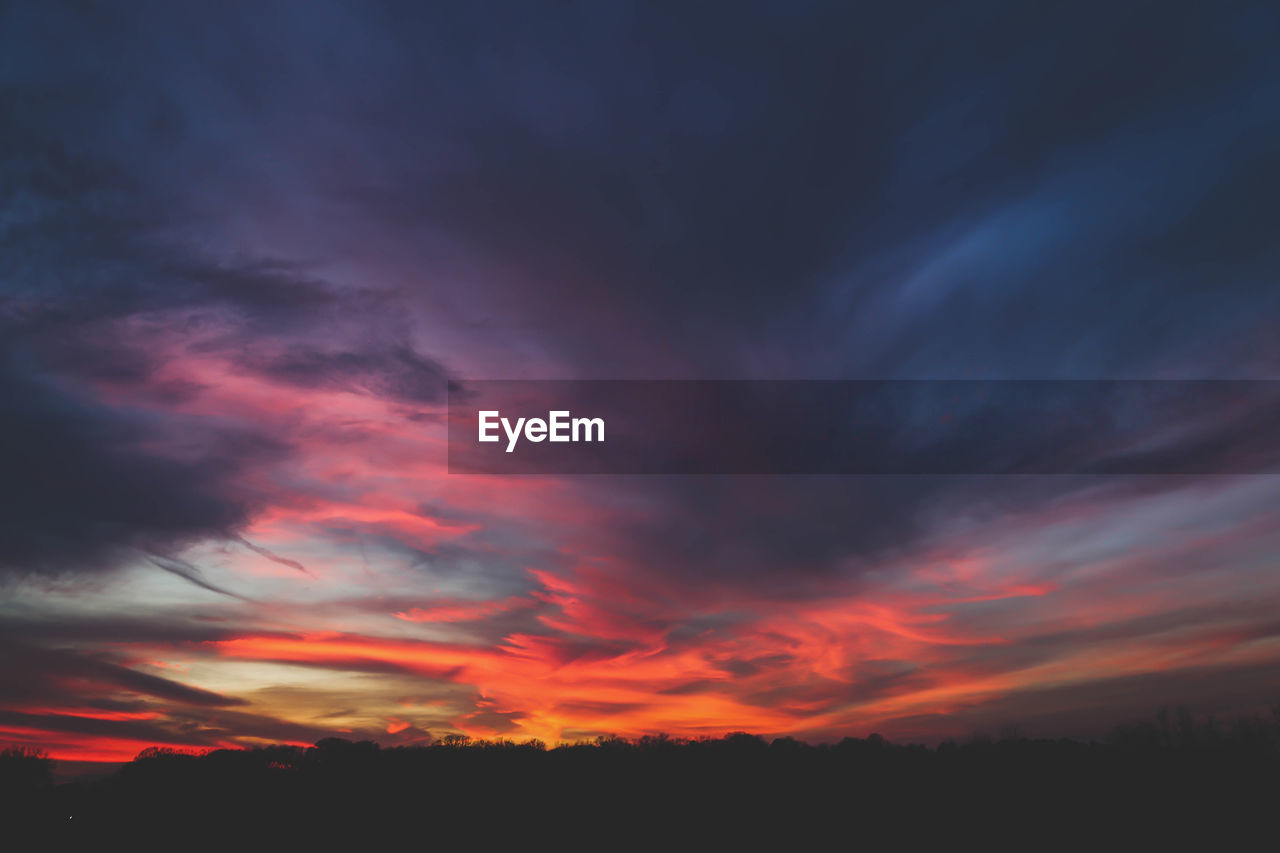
1172	780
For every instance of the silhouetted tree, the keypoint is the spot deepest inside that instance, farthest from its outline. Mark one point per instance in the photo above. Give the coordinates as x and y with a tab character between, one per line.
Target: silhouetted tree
1161	774
24	769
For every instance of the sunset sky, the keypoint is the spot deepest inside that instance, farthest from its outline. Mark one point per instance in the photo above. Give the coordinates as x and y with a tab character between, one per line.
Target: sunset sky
244	246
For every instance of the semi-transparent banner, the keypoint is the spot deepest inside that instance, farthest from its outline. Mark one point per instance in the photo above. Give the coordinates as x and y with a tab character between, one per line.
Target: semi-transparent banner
890	427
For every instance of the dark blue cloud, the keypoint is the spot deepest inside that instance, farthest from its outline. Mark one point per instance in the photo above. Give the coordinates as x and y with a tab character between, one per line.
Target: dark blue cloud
810	190
781	190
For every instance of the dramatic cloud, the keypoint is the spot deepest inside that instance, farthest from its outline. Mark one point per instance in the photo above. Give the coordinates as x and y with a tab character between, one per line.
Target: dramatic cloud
79	488
244	252
396	373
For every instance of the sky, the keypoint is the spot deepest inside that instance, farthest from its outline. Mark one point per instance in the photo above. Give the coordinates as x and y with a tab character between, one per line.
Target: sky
244	248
